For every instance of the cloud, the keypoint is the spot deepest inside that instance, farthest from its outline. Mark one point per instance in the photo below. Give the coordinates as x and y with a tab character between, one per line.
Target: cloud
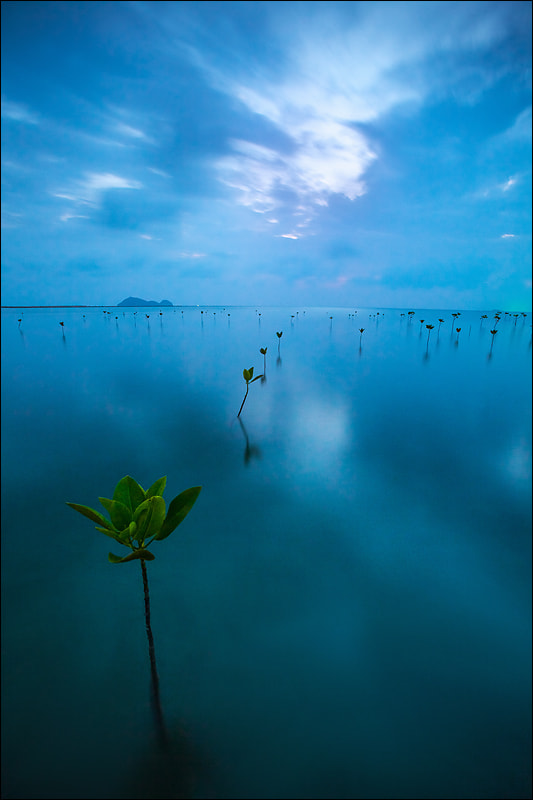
18	113
89	190
127	130
66	217
508	236
344	68
99	181
510	182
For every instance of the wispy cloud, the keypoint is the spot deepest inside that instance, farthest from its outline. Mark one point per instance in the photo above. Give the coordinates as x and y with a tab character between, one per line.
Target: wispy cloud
90	188
17	112
66	217
342	74
509	183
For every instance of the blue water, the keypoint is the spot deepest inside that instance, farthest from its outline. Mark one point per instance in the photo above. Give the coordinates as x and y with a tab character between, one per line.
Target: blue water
346	611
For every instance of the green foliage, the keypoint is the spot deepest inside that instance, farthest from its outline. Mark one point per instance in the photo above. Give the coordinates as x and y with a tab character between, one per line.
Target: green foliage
136	515
247	374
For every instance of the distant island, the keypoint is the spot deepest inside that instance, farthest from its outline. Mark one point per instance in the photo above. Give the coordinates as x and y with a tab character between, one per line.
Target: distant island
138	301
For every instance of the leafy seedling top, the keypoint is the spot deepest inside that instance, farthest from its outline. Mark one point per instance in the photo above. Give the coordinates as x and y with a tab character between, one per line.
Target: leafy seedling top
248	375
138	517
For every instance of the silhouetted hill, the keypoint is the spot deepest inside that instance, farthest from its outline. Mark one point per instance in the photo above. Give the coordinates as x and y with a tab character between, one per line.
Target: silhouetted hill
138	301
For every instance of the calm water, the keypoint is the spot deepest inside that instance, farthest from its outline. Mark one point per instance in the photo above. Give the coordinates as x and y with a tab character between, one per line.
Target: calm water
346	612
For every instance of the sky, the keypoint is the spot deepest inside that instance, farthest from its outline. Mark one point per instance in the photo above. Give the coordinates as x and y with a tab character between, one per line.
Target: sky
346	154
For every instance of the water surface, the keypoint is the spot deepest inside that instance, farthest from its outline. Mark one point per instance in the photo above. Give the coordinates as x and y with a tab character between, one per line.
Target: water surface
345	613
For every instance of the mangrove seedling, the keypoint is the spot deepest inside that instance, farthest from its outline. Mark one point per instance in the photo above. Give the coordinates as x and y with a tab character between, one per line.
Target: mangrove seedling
360	335
263	351
247	374
494	332
136	519
279	334
430	328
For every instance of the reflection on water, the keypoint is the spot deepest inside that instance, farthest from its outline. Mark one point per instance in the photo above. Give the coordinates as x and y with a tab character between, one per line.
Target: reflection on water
347	613
250	451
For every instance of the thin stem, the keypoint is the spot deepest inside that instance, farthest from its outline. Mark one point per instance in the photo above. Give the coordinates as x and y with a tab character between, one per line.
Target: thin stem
242	404
156	700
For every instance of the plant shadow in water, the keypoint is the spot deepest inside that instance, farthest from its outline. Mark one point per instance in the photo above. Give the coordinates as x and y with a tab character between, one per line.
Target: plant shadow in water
181	770
250	450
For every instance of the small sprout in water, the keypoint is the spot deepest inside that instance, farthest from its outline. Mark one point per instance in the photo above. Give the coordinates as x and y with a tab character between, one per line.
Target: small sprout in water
430	328
247	374
361	330
62	324
135	516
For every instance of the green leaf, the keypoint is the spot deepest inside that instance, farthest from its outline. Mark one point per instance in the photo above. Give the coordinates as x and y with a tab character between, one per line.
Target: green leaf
115	536
128	492
156	516
263	350
144	554
119	513
178	510
149	517
247	374
157	488
256	378
93	515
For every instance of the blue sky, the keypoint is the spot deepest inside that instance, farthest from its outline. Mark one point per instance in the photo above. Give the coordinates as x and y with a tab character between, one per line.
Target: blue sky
278	153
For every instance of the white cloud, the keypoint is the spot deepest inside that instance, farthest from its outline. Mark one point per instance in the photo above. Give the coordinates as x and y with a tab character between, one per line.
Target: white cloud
128	130
341	71
18	113
507	236
88	191
99	181
159	172
509	183
66	217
